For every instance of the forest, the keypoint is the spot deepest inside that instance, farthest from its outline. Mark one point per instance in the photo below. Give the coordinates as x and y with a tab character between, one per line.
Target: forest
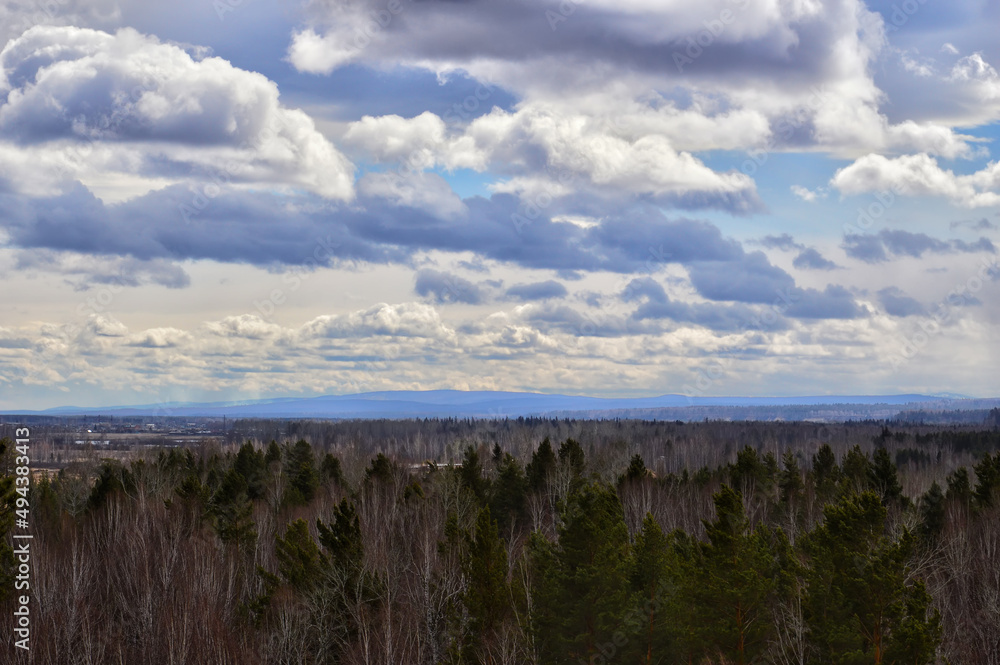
530	541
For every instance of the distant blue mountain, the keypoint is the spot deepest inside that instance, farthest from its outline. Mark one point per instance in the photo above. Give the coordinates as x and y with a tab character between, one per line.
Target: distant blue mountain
472	404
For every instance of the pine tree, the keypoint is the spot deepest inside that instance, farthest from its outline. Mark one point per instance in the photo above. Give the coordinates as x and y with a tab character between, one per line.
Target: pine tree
581	593
959	486
542	463
932	514
233	510
748	472
300	561
471	475
885	480
737	582
487	593
790	482
571	455
825	473
636	470
858	605
112	479
509	492
273	453
303	478
331	471
856	471
987	480
341	539
652	585
380	470
251	465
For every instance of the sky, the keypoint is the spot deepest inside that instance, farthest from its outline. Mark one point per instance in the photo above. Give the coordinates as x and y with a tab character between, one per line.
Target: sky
209	200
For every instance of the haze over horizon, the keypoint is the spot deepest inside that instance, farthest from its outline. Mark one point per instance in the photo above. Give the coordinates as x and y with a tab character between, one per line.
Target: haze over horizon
234	200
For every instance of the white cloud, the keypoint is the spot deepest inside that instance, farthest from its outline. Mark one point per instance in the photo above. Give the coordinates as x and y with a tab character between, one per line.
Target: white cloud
920	175
424	191
570	146
105	108
807	195
403	320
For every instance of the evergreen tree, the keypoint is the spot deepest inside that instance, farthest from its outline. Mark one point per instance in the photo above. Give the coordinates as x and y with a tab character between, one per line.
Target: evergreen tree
790	482
251	465
471	474
748	473
858	604
509	493
582	591
987	480
112	479
652	585
571	455
932	514
341	539
856	471
959	486
300	561
636	470
46	501
487	593
825	473
737	583
233	510
303	478
542	463
885	480
380	470
330	470
273	453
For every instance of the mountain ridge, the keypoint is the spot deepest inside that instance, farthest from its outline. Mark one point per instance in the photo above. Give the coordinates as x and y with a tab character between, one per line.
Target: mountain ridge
487	404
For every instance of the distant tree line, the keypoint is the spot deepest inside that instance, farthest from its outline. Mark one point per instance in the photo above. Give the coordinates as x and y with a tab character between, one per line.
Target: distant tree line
802	545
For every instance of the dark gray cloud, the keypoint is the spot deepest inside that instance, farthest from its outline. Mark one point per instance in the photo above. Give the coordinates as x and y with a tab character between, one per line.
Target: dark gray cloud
833	302
748	278
234	227
656	305
867	248
537	291
877	248
811	259
445	287
897	303
563	33
268	229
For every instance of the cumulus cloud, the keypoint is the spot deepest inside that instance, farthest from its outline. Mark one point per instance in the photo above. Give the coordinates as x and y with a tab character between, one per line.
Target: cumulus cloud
94	106
541	137
920	175
743	90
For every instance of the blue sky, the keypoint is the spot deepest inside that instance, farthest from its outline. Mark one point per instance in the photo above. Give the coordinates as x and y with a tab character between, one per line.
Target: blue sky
242	199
